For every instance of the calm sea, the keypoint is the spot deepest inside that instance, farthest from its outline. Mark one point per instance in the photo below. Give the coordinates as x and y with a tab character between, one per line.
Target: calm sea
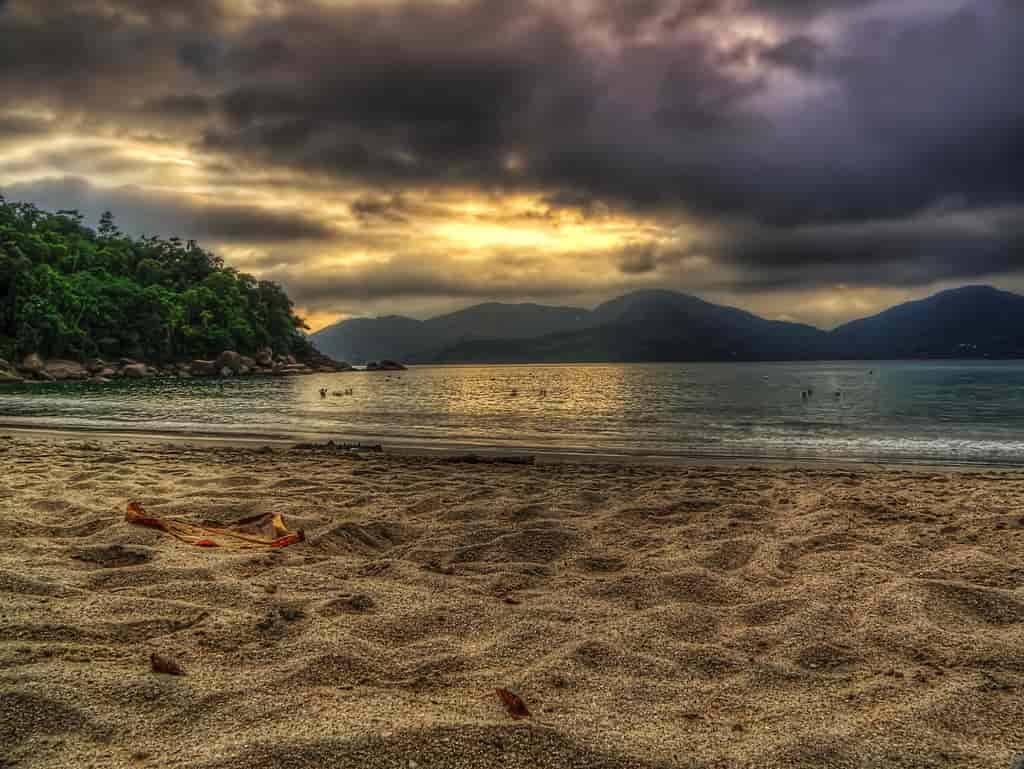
949	412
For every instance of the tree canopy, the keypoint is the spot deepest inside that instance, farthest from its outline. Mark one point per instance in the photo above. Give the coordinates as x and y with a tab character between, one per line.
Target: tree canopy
70	291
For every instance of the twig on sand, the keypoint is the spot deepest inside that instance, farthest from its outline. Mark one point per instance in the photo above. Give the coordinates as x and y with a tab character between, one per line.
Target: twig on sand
513	703
166	665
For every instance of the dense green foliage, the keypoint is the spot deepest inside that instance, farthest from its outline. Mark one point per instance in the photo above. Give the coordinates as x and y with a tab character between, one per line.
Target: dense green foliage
67	290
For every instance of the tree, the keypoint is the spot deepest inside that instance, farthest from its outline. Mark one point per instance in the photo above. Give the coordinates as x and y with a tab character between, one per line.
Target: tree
68	290
107	229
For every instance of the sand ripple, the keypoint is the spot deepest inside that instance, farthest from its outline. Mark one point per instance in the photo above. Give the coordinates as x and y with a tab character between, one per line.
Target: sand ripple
649	617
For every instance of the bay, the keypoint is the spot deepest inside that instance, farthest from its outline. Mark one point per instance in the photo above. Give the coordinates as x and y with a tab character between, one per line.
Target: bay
950	412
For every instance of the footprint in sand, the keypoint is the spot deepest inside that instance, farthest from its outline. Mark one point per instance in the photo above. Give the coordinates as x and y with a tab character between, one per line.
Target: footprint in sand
112	556
51	505
731	555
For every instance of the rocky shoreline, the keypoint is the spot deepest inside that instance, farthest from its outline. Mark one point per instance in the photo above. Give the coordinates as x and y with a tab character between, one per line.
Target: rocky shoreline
229	363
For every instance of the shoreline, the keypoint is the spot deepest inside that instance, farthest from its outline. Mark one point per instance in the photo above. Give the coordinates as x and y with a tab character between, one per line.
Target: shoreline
542	455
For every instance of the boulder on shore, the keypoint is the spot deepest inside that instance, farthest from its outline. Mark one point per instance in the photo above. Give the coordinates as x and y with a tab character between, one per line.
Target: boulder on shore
265	357
203	368
135	371
294	368
229	359
65	369
226	371
32	363
94	365
385	365
318	360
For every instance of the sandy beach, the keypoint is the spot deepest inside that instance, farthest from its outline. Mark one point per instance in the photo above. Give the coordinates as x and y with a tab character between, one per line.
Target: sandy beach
673	616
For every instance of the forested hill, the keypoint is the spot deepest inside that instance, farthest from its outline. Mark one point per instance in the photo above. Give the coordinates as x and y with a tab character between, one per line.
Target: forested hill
967	322
67	290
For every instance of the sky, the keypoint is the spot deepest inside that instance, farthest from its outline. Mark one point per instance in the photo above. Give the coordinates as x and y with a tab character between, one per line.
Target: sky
808	160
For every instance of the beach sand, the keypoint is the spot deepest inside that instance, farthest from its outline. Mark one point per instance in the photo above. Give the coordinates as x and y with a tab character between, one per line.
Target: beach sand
648	616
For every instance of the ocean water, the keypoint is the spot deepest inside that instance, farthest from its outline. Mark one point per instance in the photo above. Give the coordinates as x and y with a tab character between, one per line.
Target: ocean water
949	412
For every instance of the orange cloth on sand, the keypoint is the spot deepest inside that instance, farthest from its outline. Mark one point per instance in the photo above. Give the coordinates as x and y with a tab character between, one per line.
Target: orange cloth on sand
255	532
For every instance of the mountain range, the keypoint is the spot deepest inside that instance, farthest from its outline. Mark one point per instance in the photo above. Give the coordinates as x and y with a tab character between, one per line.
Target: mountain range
973	321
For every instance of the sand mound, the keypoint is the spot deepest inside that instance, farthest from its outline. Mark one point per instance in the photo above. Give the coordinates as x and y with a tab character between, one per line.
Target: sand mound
463	747
649	617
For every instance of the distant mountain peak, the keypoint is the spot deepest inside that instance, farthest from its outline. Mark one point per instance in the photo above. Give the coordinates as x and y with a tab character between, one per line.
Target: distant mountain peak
661	324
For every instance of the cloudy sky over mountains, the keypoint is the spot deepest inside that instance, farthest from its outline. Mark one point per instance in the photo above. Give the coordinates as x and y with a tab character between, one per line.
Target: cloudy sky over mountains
806	159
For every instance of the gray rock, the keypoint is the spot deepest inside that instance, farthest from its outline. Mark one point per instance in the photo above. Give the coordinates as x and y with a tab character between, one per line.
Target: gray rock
265	357
135	371
65	369
32	363
203	368
296	368
226	371
1018	762
229	359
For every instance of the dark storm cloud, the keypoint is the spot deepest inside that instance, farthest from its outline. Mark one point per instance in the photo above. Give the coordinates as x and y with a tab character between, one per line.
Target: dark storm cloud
179	105
637	259
442	95
369	209
200	56
416	277
797	8
140	212
917	109
950	246
801	53
680	112
436	94
14	127
86	158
